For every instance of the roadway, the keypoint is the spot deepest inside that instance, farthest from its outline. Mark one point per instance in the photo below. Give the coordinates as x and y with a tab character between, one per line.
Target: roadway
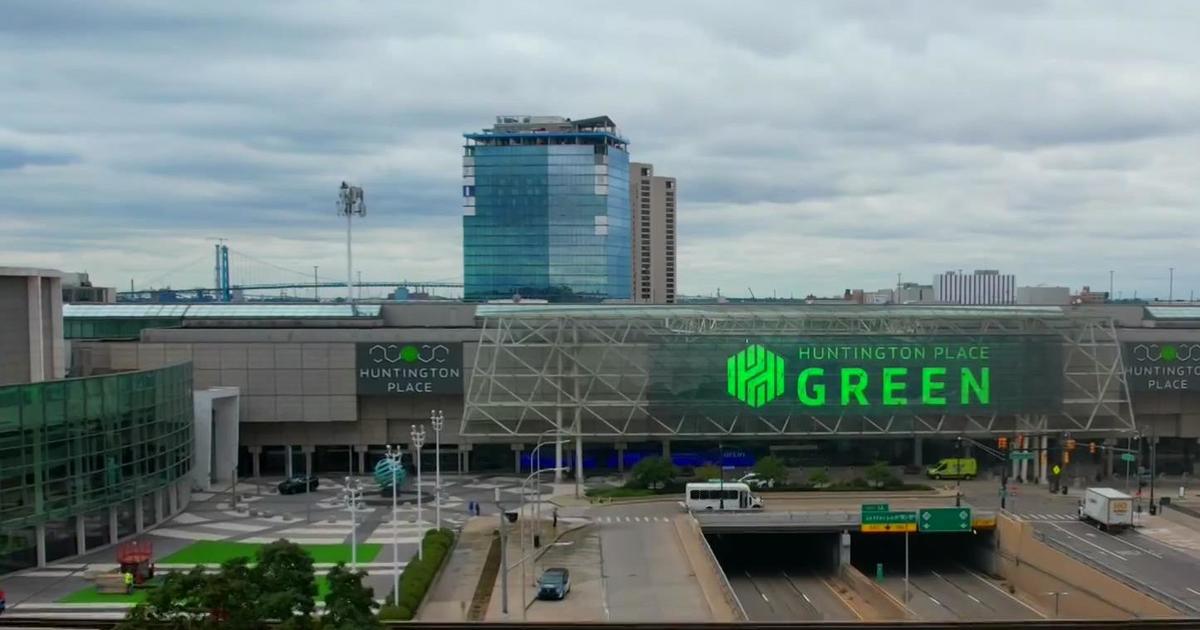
955	592
789	595
1134	558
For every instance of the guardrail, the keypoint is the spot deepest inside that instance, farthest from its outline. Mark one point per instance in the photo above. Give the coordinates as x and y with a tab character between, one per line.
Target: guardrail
726	587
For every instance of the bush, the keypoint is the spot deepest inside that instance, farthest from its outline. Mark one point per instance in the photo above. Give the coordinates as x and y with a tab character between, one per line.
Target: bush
652	473
772	470
394	613
704	473
818	477
418	575
880	475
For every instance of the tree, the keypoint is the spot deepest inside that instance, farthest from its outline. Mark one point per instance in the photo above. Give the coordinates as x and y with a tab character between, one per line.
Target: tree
349	605
653	472
284	574
772	470
818	478
881	475
177	603
710	471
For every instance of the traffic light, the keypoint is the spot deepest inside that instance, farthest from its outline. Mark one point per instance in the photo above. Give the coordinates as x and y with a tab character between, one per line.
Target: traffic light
1066	457
1092	448
1070	444
1002	442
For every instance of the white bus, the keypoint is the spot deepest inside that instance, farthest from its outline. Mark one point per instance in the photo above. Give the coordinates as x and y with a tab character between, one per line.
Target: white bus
715	495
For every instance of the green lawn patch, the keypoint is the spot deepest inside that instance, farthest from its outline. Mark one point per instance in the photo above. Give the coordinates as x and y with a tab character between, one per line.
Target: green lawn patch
89	595
214	552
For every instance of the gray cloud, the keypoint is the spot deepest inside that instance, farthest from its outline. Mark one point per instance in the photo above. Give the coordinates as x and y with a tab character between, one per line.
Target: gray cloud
818	146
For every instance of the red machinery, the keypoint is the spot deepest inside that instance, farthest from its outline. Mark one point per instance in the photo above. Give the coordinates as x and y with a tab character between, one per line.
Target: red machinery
136	557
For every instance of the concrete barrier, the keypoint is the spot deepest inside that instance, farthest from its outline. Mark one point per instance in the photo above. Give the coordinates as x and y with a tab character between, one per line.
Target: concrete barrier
877	604
1038	569
711	578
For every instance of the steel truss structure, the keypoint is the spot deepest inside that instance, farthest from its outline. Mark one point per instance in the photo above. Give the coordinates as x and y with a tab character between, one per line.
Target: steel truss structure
585	370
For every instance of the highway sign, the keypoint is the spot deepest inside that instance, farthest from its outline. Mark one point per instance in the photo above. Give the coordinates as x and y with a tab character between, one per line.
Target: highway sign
1017	456
889	521
1127	457
948	519
875	507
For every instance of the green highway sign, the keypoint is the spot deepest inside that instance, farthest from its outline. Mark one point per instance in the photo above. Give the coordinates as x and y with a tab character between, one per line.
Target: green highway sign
875	507
1127	457
888	521
944	520
1017	456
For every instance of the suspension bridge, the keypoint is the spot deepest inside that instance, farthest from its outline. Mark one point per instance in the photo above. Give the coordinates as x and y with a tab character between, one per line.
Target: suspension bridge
236	273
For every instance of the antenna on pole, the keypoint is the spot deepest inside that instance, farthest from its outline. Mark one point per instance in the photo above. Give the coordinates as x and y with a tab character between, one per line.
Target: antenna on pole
350	203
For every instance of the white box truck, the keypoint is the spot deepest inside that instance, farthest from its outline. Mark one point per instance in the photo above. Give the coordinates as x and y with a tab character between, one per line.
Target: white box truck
1107	508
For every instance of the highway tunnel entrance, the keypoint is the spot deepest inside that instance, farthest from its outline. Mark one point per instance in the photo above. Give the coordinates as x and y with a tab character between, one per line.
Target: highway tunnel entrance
782	577
925	552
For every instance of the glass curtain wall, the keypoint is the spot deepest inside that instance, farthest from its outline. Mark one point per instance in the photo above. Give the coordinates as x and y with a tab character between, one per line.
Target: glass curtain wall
77	448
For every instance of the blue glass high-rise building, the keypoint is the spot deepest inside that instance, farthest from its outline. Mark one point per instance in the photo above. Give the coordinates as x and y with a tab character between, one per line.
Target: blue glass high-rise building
547	210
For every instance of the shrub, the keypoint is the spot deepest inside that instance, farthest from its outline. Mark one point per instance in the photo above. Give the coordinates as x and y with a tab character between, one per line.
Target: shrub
390	612
704	473
418	575
881	475
772	469
652	473
818	478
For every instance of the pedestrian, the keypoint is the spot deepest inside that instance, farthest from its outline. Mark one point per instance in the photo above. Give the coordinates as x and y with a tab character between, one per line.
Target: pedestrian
555	518
128	582
3	602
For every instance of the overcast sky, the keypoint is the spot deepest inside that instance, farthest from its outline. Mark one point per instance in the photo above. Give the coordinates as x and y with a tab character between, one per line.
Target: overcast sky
818	146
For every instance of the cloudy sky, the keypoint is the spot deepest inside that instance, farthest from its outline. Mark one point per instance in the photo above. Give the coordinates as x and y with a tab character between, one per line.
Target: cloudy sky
818	145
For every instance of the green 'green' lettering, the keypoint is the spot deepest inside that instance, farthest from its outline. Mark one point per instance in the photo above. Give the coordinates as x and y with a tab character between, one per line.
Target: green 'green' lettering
893	383
854	381
817	397
930	387
981	386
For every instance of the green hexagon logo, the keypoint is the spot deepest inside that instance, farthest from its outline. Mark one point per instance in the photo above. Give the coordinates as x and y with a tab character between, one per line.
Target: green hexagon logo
755	376
1170	354
410	354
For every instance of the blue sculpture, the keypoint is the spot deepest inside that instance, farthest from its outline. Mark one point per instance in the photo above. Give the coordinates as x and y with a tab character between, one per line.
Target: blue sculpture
384	474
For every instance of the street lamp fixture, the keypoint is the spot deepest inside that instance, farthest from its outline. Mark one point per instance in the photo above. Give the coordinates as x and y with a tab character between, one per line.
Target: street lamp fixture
351	497
396	457
418	440
437	420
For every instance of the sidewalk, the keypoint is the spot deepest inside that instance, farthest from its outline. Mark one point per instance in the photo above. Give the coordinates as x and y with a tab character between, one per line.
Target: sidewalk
450	595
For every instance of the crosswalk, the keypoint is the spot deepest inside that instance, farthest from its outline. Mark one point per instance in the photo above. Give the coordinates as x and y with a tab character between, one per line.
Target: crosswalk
1047	516
633	519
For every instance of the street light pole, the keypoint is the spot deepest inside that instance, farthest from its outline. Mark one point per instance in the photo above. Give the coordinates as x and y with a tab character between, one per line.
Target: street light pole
418	439
395	457
437	421
351	495
503	556
1056	595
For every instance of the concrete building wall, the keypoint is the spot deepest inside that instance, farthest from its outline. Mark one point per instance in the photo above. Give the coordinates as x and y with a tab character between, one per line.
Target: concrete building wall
653	230
32	348
1043	296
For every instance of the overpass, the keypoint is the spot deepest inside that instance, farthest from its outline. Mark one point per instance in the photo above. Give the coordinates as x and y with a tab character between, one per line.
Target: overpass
804	521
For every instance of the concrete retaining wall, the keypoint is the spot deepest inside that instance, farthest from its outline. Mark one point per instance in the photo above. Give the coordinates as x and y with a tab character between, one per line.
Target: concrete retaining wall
1038	569
879	605
708	572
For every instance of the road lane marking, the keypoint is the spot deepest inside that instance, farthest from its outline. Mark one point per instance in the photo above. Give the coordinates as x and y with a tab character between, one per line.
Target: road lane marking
1193	591
974	599
934	600
1006	593
1088	542
1142	549
805	596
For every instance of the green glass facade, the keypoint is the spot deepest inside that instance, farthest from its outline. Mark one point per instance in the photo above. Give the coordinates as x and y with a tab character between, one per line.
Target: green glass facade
113	328
95	450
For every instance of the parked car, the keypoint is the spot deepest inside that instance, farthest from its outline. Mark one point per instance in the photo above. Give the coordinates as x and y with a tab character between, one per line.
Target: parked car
555	583
299	485
755	481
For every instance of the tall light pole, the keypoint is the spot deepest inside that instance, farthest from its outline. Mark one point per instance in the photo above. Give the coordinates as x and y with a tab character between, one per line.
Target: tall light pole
350	203
1110	285
437	420
1171	285
351	495
396	457
418	440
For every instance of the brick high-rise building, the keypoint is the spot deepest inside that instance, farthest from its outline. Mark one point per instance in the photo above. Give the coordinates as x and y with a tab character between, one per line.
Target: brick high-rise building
653	230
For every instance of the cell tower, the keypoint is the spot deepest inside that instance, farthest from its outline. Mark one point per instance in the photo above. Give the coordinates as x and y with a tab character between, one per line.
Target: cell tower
350	203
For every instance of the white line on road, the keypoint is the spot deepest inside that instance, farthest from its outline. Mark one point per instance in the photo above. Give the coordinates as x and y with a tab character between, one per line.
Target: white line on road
974	599
1088	542
1193	591
1006	594
1142	549
805	596
934	600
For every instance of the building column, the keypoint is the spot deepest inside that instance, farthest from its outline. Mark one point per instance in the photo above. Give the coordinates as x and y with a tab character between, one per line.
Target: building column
918	456
517	449
287	461
308	453
558	454
465	449
362	459
579	464
172	500
40	532
80	534
666	451
1043	474
139	518
159	515
620	448
255	460
112	524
